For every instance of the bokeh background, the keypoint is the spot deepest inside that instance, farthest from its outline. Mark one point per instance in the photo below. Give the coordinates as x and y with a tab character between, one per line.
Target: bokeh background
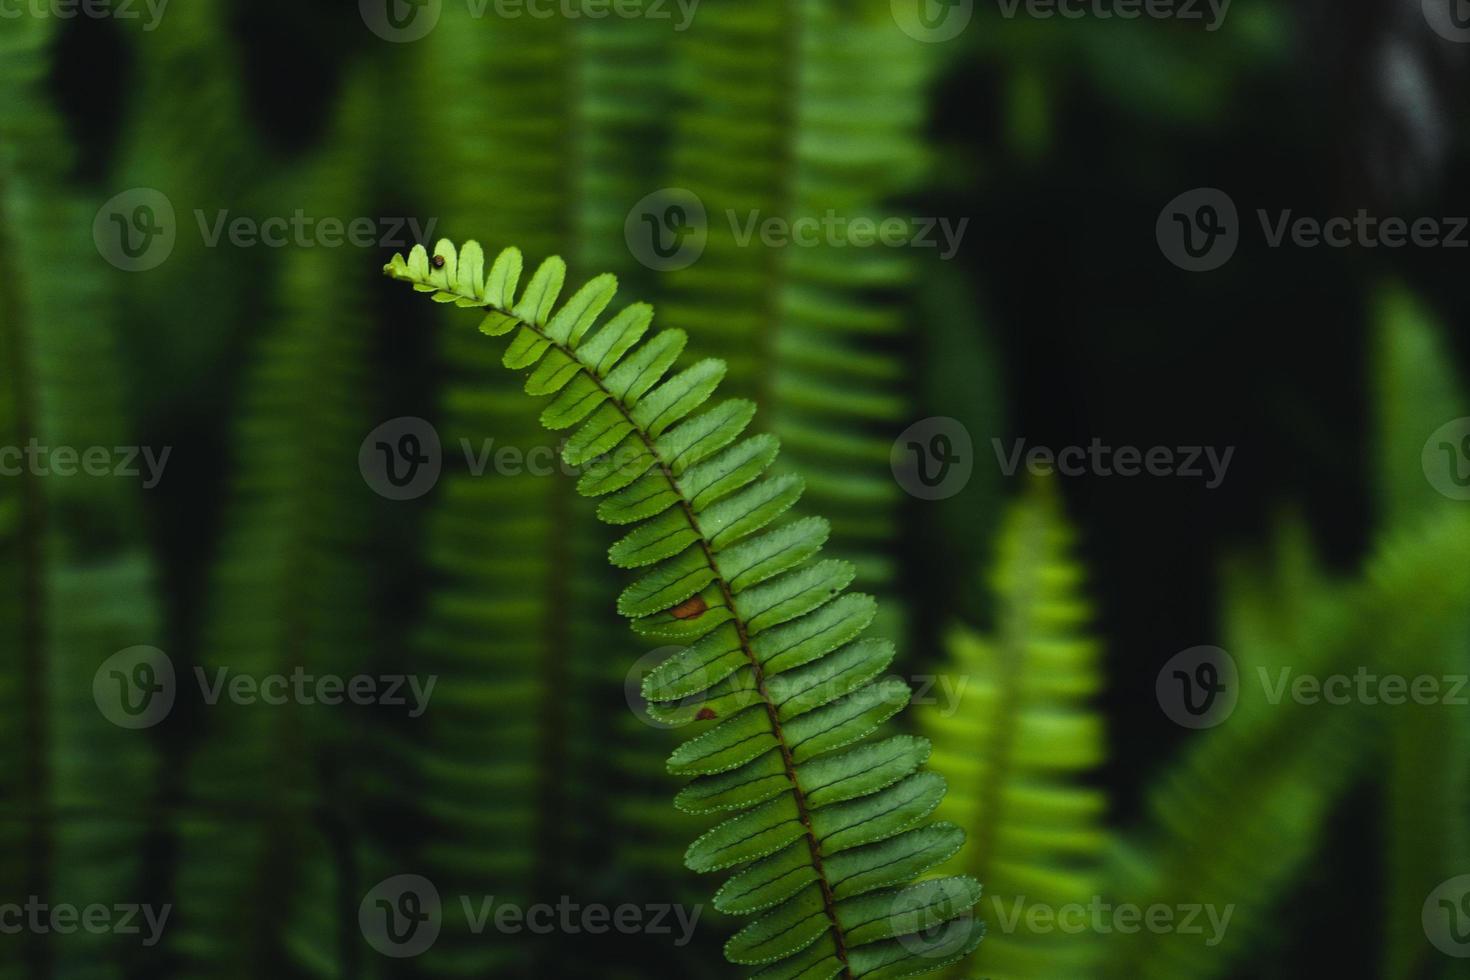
1045	617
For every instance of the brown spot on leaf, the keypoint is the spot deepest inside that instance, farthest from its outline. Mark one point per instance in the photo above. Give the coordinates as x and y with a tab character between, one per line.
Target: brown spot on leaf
705	714
691	608
438	261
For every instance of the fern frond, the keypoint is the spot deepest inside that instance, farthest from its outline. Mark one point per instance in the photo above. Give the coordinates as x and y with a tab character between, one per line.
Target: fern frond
1018	738
773	656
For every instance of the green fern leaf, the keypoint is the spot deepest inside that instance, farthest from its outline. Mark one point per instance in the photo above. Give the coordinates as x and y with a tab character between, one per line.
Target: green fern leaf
850	940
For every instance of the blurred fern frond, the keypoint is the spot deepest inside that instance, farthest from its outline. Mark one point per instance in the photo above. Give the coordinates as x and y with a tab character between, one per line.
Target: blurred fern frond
186	133
516	558
76	582
289	593
1427	823
805	115
1265	781
1016	736
773	659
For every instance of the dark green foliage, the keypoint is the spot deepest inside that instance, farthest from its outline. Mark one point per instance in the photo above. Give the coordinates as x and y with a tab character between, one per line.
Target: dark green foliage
290	591
513	625
76	582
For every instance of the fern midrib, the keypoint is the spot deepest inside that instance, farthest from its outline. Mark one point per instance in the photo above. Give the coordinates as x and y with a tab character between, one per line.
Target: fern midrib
294	616
829	901
552	672
32	591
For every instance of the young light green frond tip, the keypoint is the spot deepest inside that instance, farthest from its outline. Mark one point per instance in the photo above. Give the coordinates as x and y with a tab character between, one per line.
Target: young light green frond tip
828	823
